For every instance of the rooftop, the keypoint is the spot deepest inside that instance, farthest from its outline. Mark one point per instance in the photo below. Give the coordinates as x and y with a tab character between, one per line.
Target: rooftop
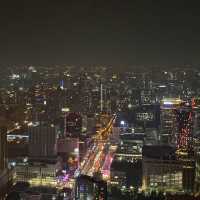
164	152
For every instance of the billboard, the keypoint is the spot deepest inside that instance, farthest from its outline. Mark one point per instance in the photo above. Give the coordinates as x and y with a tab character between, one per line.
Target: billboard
148	115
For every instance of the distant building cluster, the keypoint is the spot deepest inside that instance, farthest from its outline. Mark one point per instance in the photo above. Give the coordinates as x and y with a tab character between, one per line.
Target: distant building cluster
94	132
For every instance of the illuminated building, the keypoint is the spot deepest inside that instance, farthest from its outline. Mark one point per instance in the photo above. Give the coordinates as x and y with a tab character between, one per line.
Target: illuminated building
196	110
185	145
161	170
143	116
125	174
38	173
168	119
130	147
147	116
147	97
118	174
90	188
184	122
126	169
196	139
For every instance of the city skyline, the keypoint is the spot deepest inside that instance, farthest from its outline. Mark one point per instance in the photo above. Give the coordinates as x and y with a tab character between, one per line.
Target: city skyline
112	133
99	100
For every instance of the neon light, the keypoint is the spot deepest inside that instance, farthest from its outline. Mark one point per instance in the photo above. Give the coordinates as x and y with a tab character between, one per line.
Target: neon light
168	103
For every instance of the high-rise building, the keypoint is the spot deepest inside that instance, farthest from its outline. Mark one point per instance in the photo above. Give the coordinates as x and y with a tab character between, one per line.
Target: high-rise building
168	119
185	144
196	111
184	122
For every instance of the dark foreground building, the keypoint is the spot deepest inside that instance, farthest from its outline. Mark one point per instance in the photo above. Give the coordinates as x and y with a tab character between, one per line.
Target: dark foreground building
90	188
5	174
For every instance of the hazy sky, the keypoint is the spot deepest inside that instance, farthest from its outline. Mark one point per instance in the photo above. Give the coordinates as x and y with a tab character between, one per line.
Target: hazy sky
99	32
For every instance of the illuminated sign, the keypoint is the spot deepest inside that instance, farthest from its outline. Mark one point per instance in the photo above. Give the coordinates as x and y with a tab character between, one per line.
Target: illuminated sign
145	116
65	109
170	102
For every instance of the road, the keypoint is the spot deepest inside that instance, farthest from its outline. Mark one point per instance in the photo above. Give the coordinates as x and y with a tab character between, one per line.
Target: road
96	159
98	153
106	166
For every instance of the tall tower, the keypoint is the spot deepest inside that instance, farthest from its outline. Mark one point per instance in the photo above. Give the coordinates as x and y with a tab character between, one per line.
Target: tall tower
185	152
168	119
184	117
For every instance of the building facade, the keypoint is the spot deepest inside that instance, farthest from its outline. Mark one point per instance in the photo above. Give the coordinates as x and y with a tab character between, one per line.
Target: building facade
42	140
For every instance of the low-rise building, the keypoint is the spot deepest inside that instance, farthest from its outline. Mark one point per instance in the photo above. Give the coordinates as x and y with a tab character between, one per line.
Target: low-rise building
163	171
36	173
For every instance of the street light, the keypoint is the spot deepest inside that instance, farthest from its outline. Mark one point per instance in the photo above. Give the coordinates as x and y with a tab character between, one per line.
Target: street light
122	123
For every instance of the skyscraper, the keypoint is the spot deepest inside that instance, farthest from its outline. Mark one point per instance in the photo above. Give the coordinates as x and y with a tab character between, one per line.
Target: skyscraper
184	117
168	119
184	145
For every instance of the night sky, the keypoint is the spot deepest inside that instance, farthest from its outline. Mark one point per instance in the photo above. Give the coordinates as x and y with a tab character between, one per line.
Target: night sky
111	32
